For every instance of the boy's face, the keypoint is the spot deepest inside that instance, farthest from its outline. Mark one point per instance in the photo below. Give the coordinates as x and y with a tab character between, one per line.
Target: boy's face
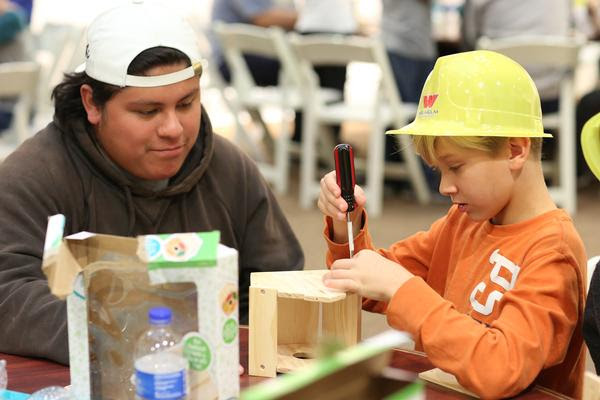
150	131
478	182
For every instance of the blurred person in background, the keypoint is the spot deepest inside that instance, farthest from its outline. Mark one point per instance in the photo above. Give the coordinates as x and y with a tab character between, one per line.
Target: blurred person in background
265	71
446	16
589	104
27	7
406	34
496	19
13	24
326	16
587	107
13	47
334	17
590	143
412	50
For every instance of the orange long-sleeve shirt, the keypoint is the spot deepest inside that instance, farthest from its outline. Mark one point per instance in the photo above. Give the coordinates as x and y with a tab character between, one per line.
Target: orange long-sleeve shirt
498	306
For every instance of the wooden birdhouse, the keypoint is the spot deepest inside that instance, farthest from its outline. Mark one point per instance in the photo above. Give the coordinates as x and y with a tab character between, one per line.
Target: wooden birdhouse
290	311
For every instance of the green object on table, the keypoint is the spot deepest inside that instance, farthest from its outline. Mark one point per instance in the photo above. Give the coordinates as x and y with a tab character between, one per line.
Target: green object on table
287	384
412	391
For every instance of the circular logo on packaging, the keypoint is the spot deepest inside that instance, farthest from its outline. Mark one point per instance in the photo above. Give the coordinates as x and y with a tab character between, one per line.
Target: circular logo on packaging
153	246
182	247
228	297
175	247
230	330
197	351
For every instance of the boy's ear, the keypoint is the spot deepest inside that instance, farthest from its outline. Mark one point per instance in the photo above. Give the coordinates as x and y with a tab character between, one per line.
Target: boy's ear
519	149
94	113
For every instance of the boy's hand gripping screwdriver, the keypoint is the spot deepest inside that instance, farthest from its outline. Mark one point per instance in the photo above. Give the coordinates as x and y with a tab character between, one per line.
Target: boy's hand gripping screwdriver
344	173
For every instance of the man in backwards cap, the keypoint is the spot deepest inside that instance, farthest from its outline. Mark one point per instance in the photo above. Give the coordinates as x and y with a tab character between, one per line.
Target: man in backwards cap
130	151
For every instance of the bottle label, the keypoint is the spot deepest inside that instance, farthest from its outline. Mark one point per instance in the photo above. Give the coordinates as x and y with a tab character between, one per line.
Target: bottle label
160	386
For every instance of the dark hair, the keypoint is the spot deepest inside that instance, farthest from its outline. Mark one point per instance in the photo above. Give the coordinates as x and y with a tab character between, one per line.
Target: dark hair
66	96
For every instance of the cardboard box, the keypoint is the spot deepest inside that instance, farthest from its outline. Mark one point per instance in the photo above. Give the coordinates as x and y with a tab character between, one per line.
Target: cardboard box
110	282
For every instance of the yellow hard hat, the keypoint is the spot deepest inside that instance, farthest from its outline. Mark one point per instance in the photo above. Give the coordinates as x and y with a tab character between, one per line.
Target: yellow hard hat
477	93
590	143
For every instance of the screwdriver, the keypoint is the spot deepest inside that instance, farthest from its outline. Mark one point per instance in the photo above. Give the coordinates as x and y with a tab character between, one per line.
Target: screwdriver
344	173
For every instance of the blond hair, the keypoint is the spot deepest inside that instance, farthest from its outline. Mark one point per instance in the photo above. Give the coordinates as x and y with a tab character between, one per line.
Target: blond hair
425	145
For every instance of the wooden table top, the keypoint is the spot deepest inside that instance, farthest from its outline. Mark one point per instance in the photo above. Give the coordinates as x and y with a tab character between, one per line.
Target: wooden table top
30	374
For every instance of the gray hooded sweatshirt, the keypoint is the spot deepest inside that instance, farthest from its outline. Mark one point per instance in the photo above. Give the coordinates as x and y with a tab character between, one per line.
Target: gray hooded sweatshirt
63	170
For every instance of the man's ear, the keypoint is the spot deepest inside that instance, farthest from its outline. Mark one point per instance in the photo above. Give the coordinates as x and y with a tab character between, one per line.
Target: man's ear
519	149
94	113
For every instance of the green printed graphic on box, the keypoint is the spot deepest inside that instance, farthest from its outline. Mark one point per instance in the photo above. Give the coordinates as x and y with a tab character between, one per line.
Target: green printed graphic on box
54	232
180	250
197	351
230	330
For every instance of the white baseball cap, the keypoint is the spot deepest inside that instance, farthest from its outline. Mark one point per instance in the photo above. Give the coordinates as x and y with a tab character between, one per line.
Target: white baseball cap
117	36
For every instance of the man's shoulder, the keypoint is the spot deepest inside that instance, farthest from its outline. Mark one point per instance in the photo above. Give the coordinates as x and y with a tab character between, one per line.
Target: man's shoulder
42	152
229	153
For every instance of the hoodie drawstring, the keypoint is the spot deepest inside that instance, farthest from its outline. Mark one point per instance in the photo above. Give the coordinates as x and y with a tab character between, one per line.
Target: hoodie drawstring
184	217
130	211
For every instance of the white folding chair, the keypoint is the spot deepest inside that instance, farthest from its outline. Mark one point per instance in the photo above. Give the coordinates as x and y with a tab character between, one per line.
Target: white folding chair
386	109
59	48
240	39
561	53
18	81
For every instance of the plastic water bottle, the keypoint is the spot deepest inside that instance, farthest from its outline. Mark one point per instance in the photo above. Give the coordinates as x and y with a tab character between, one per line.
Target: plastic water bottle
159	373
51	393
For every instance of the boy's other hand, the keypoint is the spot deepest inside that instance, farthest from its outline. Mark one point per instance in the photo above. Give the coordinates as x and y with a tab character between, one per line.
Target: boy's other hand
369	274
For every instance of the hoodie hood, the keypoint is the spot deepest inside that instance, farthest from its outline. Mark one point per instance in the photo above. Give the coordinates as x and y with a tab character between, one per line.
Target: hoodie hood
80	133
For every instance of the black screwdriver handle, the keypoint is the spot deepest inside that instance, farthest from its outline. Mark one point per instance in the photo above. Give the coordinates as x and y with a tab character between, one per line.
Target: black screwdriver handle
344	172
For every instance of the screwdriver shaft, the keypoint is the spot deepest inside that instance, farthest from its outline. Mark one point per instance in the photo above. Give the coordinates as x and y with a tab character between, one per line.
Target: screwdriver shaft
350	235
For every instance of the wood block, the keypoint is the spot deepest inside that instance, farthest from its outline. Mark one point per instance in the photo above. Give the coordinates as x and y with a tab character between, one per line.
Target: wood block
342	319
291	357
262	339
289	313
307	285
297	321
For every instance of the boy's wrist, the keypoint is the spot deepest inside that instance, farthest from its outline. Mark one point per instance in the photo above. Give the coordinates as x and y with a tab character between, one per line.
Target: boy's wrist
393	285
339	229
340	232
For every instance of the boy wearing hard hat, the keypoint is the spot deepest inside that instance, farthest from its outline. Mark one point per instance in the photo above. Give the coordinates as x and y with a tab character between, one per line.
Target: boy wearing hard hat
590	143
494	291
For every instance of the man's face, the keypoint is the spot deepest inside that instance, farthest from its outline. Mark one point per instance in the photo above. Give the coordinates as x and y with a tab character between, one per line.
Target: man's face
150	131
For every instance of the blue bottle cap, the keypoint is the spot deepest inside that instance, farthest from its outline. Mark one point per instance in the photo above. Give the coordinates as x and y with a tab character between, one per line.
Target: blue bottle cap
159	315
